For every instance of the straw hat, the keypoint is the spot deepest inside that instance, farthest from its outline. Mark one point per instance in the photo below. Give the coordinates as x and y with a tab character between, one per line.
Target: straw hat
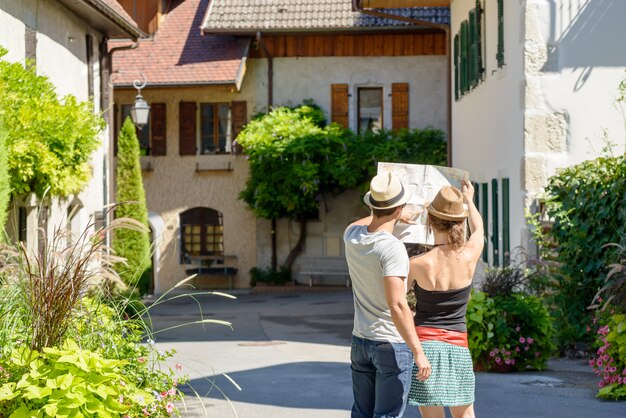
386	192
448	205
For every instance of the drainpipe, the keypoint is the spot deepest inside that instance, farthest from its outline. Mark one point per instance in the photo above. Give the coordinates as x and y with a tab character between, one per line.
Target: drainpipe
358	7
270	103
108	172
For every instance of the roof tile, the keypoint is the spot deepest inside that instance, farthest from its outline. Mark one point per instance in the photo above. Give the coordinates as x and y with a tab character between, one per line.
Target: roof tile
276	15
179	53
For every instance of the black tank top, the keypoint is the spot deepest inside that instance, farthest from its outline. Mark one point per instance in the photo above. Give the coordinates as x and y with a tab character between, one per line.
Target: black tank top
443	309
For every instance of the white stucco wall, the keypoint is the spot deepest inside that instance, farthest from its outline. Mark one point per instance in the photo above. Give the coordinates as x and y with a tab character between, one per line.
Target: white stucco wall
61	56
553	105
296	79
577	69
487	122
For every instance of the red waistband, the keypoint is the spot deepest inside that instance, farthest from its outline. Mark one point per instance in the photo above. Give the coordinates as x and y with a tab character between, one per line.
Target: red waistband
438	334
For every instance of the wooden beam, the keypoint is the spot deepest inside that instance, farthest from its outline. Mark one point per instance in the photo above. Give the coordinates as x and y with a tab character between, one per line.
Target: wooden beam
400	4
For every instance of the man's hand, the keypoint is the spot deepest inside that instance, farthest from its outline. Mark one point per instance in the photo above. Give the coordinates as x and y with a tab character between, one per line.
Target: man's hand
409	213
423	365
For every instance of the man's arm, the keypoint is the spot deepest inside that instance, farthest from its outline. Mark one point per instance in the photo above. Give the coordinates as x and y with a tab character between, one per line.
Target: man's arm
403	320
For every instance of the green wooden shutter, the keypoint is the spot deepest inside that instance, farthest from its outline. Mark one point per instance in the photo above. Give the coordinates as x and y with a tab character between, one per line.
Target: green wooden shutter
485	212
495	231
500	53
506	230
456	67
472	50
464	58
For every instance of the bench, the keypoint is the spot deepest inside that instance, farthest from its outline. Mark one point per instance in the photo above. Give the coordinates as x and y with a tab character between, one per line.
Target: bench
219	267
314	267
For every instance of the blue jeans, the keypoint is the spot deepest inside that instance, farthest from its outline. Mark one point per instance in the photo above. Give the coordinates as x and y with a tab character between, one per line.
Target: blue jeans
381	378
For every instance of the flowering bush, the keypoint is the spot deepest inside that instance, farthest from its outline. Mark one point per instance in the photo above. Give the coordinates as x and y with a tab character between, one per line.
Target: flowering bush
610	361
515	332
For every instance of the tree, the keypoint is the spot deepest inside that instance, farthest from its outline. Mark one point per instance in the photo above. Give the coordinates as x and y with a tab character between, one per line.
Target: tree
132	244
49	140
295	160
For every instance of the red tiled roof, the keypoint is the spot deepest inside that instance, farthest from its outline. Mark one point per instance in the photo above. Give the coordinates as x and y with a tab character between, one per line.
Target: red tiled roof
179	54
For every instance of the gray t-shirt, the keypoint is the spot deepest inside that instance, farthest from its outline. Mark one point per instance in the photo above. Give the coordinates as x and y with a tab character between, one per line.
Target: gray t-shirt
371	257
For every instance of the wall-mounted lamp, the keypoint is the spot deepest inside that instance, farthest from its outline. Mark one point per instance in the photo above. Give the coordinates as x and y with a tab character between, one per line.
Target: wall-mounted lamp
140	111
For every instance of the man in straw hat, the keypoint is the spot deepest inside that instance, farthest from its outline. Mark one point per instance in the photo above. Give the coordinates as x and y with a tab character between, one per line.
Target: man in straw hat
384	341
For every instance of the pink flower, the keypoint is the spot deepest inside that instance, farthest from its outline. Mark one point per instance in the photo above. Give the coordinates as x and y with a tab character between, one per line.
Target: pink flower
592	363
601	384
492	354
522	340
496	350
121	399
588	328
599	362
530	340
527	348
624	372
517	349
599	300
163	394
178	366
517	329
508	353
169	408
613	369
498	360
142	359
512	361
172	391
507	361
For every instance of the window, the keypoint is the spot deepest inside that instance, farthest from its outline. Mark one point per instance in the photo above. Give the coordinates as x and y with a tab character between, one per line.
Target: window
215	128
219	125
152	139
202	233
370	108
143	134
468	63
500	53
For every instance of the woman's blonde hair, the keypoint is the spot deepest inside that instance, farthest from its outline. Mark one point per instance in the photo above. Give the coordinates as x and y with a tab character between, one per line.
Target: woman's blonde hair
455	230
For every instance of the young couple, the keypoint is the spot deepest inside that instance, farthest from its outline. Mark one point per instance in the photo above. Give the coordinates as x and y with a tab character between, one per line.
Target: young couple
398	357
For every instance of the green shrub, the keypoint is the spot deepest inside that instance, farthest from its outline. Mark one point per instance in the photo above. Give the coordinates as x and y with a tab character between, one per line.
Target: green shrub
131	243
588	204
70	381
513	331
50	140
259	275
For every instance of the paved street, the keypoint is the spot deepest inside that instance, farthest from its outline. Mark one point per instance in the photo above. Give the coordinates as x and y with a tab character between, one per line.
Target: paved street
289	353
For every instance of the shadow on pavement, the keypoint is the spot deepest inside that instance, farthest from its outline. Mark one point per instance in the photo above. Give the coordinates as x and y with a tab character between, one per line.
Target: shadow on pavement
305	385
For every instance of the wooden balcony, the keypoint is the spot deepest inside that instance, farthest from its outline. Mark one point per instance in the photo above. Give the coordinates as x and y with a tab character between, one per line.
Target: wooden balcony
399	4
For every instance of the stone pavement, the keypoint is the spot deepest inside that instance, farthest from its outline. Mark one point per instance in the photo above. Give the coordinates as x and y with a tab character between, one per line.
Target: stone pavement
289	355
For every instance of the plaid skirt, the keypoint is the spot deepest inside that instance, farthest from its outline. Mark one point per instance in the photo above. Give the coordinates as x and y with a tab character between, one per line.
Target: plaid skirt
452	380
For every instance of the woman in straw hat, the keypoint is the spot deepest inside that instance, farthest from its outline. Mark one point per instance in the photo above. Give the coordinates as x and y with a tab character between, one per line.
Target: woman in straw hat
442	280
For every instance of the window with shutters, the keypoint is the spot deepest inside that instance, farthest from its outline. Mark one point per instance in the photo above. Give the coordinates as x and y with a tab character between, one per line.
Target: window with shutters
468	62
500	53
211	128
370	109
152	139
201	233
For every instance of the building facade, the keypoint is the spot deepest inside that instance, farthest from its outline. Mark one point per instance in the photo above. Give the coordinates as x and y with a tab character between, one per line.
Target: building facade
66	41
363	71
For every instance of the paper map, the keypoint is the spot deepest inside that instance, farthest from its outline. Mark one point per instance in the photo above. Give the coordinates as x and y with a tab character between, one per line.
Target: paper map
423	182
